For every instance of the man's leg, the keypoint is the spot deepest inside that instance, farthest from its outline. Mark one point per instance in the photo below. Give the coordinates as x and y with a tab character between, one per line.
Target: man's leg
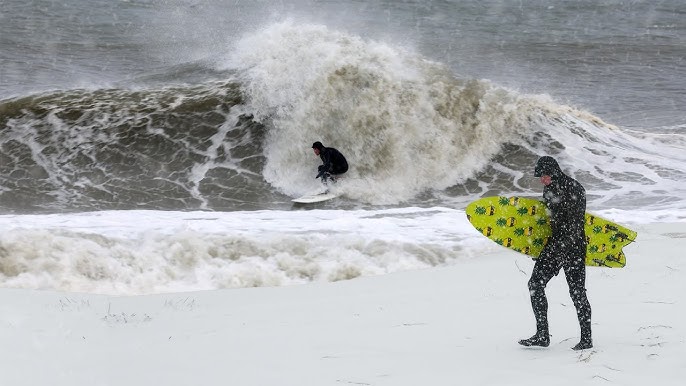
576	280
540	276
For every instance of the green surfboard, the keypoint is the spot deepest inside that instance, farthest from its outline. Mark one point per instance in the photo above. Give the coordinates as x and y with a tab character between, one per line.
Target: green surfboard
522	225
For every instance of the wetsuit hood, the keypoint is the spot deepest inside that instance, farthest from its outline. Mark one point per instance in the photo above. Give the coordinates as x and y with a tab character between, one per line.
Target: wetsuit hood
547	166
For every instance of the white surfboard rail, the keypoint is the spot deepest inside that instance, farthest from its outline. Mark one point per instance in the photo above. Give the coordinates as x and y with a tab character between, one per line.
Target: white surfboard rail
315	197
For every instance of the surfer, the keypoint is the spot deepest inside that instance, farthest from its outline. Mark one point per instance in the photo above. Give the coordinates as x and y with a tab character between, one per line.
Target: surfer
334	163
565	200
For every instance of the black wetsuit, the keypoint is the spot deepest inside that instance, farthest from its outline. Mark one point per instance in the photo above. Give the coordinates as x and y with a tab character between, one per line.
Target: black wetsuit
334	162
565	199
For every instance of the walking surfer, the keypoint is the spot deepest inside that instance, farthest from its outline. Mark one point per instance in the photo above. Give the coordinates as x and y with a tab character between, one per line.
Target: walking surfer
334	163
565	200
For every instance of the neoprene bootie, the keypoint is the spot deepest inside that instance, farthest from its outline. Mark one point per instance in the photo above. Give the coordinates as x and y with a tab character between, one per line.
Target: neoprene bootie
540	340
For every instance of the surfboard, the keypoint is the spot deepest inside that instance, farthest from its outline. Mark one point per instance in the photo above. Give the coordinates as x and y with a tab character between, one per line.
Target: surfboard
315	197
522	225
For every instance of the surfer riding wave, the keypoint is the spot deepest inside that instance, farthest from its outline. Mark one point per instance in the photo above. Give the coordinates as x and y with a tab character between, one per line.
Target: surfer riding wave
334	163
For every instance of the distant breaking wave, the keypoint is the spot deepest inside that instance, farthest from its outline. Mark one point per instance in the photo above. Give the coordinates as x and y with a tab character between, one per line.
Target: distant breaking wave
413	131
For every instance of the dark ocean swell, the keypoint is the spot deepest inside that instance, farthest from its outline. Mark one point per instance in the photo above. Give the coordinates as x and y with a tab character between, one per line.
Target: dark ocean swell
200	147
414	134
173	148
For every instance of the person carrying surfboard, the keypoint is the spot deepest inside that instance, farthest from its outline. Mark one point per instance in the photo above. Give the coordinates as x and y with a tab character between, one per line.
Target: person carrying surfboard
565	199
334	163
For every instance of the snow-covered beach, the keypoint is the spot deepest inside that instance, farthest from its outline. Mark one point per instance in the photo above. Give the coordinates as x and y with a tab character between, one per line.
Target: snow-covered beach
456	322
150	150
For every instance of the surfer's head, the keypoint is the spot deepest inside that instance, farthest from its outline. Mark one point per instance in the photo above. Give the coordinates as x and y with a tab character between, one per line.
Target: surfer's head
317	146
547	166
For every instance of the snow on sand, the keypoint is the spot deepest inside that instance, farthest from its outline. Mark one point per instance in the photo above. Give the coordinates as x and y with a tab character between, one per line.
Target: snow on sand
454	325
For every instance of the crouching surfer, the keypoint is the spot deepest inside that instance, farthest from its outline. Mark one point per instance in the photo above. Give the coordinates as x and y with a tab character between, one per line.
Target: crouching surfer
333	162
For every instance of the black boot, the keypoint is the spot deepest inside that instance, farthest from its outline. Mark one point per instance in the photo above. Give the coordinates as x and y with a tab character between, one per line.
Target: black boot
541	339
586	341
583	345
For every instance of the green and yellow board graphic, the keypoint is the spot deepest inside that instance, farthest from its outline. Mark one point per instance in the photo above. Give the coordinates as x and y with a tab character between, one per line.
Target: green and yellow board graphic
521	224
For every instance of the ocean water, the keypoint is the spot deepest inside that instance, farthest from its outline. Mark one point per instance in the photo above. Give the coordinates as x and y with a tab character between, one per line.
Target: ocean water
126	124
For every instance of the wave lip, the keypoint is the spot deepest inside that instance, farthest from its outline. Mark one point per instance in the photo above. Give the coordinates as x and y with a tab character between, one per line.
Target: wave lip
413	130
